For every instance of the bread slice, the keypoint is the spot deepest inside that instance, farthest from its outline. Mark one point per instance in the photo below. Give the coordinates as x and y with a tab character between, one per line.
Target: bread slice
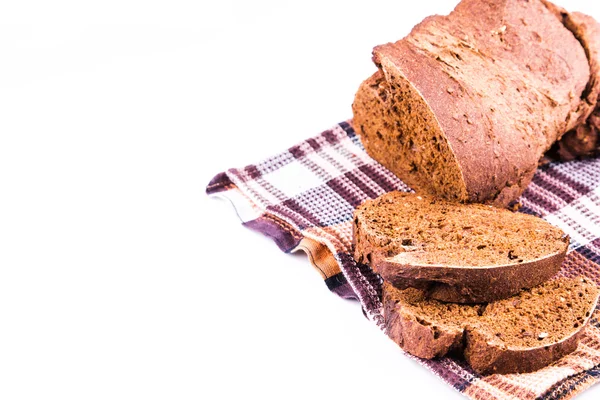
455	252
520	334
465	106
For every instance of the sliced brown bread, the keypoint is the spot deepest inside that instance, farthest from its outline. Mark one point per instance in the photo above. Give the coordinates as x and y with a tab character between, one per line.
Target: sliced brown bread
520	334
465	106
456	252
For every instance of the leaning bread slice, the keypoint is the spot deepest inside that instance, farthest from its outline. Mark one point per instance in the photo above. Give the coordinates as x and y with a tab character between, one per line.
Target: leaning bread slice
457	253
520	334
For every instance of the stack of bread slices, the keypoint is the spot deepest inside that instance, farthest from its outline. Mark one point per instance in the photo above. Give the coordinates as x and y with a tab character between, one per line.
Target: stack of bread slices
474	280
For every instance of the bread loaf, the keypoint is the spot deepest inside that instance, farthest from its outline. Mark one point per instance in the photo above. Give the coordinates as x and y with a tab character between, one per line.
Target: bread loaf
455	252
465	106
519	334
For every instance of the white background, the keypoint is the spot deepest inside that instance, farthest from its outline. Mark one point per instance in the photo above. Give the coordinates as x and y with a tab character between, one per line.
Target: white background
119	278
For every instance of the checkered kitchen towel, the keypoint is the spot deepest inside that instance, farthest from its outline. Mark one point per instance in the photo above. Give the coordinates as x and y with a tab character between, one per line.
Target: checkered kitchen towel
304	197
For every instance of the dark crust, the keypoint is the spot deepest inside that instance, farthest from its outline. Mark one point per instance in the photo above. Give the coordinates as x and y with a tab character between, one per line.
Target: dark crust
470	285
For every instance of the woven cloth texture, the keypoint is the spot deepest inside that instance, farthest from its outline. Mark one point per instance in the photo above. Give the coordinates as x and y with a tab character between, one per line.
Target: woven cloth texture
304	197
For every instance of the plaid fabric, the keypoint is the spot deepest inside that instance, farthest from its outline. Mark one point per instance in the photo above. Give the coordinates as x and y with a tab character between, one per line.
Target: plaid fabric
304	198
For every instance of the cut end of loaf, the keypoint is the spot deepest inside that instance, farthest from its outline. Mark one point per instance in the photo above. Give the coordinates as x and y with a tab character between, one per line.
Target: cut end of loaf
398	128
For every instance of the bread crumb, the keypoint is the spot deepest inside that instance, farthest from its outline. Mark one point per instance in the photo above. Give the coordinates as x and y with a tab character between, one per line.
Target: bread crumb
500	30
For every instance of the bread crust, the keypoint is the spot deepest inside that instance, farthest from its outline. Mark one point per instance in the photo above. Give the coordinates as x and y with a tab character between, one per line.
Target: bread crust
458	284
